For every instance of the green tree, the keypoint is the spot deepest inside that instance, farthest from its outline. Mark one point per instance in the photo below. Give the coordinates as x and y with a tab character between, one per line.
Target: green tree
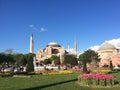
111	65
6	60
47	61
57	62
55	59
70	59
9	59
94	58
18	59
2	61
84	60
88	57
29	66
2	58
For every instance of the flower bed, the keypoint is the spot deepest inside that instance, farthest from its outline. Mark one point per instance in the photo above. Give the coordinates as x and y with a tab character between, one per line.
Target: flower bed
66	72
50	73
46	72
77	69
5	74
101	70
22	76
96	79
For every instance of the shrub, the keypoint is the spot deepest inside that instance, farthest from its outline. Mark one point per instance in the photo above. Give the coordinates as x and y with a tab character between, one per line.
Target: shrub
96	79
101	70
6	74
56	72
30	66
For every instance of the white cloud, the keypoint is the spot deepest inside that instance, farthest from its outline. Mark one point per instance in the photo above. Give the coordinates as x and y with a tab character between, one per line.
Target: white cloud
115	42
43	29
31	25
95	48
71	50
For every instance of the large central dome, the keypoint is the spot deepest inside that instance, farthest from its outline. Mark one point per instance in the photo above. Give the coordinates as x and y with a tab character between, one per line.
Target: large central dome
107	46
53	44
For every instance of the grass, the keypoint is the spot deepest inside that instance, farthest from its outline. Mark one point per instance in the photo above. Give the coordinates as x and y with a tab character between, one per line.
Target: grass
48	82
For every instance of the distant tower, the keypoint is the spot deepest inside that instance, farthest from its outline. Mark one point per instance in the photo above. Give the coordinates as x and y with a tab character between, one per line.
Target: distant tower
68	48
31	44
75	47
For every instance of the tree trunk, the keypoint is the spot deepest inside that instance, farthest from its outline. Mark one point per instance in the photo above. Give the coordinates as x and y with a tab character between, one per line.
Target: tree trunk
84	67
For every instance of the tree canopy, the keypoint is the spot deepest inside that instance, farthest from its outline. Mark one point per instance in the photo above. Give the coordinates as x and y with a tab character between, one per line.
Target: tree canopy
47	61
88	57
30	66
55	59
11	60
70	59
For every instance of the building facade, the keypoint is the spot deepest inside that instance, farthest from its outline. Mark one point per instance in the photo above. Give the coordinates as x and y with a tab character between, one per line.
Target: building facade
51	48
107	53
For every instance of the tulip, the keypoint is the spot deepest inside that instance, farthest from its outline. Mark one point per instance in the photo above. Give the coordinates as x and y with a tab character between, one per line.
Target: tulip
103	78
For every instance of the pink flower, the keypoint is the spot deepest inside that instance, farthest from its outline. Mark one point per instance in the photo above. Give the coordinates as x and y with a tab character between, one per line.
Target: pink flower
97	76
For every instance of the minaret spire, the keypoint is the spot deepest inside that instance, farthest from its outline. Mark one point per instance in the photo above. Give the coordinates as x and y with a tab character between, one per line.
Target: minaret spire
68	48
75	46
31	44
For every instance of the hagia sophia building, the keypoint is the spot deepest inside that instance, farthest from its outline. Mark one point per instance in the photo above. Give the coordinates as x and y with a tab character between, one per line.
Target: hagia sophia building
51	48
107	52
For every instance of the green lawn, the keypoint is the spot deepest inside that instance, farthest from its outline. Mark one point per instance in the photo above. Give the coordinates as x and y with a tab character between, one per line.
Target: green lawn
48	82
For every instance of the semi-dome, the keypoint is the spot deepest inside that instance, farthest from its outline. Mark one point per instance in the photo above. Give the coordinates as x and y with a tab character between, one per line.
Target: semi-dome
107	46
116	56
53	44
106	58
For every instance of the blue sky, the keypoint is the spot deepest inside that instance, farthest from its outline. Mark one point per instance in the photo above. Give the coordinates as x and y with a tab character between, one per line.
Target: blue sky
90	21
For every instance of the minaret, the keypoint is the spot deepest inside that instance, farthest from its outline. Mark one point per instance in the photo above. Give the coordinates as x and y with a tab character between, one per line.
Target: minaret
31	44
68	48
75	47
